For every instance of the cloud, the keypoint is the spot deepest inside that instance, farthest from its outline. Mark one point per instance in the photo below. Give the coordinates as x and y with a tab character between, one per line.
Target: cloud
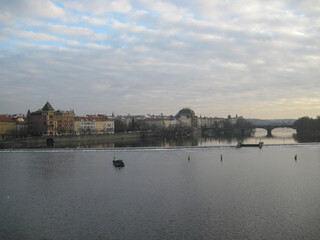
218	57
99	7
81	32
27	35
95	21
127	27
32	8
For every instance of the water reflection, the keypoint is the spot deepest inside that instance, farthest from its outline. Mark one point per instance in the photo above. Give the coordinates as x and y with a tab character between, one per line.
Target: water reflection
279	136
307	138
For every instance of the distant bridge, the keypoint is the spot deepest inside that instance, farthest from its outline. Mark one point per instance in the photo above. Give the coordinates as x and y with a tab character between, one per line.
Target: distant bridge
270	127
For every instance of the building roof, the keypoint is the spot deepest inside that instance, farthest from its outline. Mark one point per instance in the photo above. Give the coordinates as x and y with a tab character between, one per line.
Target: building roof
186	112
91	118
36	113
4	118
47	107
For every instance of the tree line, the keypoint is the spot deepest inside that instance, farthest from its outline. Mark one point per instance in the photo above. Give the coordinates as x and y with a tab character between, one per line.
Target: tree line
240	128
137	125
224	127
307	126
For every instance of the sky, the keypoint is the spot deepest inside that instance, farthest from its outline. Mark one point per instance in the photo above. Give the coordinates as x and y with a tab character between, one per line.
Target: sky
256	59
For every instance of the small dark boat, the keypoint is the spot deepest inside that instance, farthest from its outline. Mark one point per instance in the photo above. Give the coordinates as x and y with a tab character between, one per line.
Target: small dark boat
239	145
118	163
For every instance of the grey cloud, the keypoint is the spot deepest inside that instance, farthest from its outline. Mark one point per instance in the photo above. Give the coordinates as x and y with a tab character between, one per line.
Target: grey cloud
151	62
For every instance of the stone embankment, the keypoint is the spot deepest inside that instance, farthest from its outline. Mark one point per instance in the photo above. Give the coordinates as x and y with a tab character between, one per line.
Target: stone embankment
107	140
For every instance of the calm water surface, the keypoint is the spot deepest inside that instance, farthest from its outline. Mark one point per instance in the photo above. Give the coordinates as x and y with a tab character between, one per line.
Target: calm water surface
251	193
279	136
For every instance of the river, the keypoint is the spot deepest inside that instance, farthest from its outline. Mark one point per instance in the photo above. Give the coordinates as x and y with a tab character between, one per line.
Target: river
220	193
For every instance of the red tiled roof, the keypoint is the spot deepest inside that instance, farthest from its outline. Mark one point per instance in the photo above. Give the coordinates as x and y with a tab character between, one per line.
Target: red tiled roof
91	118
4	118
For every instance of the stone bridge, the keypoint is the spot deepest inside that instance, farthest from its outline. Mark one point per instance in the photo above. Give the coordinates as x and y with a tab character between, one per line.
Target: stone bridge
270	127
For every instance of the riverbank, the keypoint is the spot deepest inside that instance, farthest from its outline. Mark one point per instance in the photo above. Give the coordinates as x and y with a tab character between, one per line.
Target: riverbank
149	139
87	141
72	141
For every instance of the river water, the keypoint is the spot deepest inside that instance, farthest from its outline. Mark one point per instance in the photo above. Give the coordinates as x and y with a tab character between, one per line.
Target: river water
220	193
279	136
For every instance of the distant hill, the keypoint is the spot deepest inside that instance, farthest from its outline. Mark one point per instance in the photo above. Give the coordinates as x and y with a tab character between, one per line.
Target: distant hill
265	122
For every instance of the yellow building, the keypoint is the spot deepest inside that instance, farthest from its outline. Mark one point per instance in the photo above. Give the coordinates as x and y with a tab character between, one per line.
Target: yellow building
99	126
104	125
77	125
7	126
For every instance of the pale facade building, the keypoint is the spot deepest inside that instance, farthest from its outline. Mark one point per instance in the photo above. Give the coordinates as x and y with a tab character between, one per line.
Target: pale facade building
93	125
160	123
205	122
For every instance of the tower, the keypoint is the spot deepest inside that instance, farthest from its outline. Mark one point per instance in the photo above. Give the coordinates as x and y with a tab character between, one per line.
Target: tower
47	113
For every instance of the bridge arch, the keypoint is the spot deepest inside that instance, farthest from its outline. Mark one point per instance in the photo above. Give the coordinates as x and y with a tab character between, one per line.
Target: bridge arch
269	128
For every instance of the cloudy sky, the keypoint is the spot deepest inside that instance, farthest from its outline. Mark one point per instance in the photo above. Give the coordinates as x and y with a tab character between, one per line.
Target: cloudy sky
258	59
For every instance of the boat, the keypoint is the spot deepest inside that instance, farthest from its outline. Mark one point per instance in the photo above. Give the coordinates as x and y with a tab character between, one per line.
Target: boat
118	163
239	145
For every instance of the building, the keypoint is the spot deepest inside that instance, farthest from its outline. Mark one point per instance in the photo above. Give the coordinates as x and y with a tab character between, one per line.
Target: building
233	120
159	123
7	126
103	125
93	125
63	122
107	126
77	125
21	127
84	126
41	122
47	121
187	117
21	124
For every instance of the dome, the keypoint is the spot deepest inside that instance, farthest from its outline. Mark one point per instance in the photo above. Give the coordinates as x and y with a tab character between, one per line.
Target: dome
186	112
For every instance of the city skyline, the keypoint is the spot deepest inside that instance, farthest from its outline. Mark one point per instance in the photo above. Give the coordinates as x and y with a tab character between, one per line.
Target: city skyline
250	58
113	115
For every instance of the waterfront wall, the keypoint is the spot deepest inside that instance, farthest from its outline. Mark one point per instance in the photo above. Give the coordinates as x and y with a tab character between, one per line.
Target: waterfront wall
71	141
88	141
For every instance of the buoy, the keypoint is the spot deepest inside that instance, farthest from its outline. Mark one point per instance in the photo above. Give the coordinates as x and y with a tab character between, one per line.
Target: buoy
221	157
295	157
189	158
